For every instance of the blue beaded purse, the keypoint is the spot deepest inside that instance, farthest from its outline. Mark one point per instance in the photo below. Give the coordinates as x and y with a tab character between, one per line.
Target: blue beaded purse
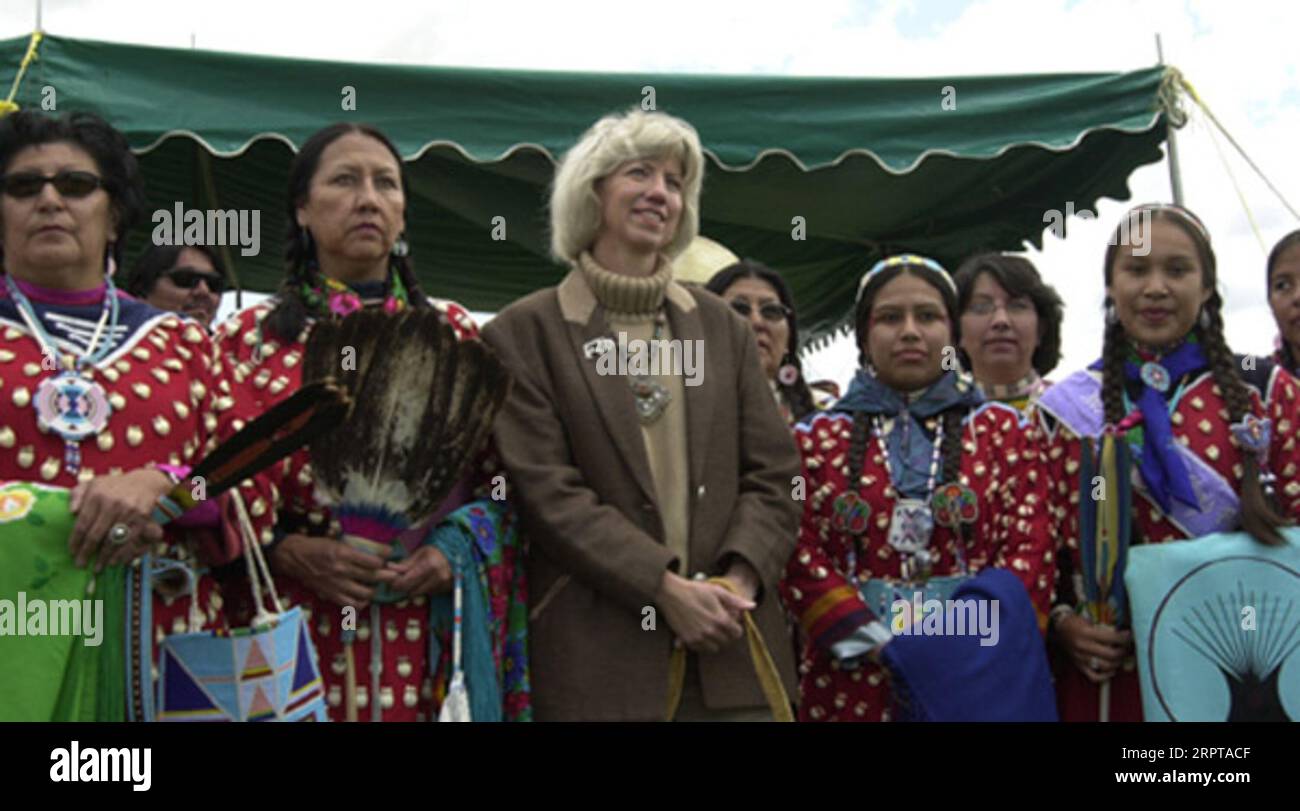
267	671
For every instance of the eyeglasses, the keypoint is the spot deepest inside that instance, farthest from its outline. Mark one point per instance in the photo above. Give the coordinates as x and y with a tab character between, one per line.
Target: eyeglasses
1015	307
770	311
68	184
188	278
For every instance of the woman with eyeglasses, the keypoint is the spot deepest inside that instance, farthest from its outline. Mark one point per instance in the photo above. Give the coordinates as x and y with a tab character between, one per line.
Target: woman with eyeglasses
105	401
181	279
913	489
759	295
1010	326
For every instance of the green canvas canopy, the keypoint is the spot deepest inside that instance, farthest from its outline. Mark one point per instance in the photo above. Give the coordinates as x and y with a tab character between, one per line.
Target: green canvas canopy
941	166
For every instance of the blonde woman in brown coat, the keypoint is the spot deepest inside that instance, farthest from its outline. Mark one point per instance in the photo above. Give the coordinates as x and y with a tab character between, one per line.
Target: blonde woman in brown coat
639	476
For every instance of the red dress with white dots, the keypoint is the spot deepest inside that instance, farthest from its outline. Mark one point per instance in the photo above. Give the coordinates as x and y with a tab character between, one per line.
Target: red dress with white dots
999	462
1200	422
171	403
396	633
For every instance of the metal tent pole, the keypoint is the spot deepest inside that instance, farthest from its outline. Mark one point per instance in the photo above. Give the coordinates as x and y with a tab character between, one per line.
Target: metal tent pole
1175	175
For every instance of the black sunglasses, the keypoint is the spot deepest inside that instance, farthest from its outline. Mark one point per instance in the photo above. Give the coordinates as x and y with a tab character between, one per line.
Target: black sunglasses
188	278
771	310
68	183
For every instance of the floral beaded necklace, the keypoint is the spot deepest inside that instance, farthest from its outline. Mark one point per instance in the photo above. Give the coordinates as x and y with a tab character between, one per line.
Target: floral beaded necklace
325	296
329	298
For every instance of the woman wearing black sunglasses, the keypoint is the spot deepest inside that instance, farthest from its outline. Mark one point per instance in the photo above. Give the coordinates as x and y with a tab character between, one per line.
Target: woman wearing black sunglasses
181	279
760	296
104	400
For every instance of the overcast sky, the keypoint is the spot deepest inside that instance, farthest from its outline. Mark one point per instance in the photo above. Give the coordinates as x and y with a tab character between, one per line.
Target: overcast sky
1242	57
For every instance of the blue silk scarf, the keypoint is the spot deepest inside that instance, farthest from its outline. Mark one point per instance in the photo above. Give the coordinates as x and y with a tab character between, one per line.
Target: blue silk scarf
1162	469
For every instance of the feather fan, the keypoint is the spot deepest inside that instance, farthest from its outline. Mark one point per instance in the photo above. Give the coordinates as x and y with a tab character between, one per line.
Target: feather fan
423	403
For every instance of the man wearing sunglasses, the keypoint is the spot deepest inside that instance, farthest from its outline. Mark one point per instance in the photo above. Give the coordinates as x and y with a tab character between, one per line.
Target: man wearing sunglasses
182	279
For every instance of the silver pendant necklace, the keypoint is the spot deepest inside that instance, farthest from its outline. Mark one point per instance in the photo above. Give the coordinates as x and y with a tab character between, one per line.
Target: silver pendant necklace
652	397
71	403
912	523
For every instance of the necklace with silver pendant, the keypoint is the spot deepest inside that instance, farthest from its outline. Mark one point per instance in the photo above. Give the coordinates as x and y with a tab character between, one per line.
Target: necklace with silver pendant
912	524
70	403
651	397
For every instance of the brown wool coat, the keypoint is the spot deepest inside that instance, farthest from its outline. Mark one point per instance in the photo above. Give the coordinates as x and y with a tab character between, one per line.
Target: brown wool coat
578	468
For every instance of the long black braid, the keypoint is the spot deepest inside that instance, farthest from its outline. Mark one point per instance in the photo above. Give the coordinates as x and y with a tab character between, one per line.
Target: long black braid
1258	517
1113	349
950	451
858	437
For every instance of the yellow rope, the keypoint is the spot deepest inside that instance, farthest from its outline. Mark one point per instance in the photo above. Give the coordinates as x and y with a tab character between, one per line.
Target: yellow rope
1174	75
768	678
8	106
1254	226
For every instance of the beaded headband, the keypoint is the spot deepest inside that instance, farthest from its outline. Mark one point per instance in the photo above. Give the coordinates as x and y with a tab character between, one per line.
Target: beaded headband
898	261
1179	211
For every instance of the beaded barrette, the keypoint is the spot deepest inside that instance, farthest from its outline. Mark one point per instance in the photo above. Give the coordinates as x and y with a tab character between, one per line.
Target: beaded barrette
1254	435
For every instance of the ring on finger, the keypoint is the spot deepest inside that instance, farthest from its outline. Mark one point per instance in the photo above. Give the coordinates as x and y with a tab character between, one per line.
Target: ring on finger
1094	663
119	534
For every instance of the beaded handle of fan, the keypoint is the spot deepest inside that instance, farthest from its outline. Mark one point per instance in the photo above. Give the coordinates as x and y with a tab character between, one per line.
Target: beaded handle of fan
310	413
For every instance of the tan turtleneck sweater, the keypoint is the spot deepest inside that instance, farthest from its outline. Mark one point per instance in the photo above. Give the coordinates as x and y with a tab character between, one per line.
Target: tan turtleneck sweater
631	303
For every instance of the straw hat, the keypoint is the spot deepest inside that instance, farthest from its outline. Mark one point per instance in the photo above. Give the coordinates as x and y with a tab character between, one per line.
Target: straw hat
701	259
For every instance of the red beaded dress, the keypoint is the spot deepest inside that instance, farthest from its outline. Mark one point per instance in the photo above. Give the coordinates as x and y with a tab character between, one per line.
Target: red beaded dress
840	549
265	370
170	403
1199	418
